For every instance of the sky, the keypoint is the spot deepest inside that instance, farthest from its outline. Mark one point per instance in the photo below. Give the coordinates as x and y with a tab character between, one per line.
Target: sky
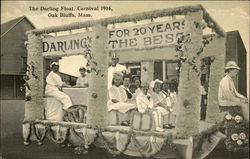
230	15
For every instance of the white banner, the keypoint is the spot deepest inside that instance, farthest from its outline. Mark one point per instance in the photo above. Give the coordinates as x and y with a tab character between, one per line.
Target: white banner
146	36
68	44
138	37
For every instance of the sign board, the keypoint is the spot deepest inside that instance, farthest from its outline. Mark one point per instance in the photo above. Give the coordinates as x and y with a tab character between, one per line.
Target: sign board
68	44
136	37
146	36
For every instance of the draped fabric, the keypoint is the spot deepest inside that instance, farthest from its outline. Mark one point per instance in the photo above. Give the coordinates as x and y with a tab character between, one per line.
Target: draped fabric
117	140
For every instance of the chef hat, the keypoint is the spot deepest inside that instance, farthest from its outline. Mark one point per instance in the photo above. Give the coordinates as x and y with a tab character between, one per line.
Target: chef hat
115	55
144	84
152	83
54	63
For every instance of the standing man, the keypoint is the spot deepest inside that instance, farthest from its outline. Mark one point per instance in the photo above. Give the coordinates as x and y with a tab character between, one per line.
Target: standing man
228	95
115	67
53	89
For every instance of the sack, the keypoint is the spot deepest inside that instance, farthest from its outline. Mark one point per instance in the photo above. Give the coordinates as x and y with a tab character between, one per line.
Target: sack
142	122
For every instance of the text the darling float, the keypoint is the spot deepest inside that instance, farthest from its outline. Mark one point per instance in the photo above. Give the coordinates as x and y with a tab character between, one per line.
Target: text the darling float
176	39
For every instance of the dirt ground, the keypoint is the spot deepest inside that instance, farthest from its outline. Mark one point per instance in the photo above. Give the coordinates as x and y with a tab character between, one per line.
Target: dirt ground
13	148
12	114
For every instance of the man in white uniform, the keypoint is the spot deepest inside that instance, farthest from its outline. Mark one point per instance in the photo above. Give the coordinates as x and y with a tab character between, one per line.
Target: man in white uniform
228	95
52	89
115	67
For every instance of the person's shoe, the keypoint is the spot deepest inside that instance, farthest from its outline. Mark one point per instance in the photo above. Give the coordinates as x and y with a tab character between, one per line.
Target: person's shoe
167	126
159	129
125	123
171	126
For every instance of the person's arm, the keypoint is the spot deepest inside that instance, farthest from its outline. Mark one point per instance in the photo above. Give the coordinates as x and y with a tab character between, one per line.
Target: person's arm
115	101
140	104
243	98
66	85
151	102
112	95
227	92
77	82
56	80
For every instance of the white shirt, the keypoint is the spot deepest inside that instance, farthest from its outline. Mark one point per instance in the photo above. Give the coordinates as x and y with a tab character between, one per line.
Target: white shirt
54	82
117	93
81	81
111	70
166	98
203	91
227	94
143	102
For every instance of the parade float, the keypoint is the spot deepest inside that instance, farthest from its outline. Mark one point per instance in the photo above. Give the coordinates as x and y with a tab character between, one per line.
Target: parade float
177	37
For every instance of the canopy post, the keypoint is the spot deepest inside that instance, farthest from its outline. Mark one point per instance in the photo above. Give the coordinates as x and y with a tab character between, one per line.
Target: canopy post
216	74
34	107
189	96
97	113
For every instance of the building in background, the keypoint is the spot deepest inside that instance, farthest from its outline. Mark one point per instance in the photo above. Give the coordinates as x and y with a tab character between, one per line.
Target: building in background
235	50
13	56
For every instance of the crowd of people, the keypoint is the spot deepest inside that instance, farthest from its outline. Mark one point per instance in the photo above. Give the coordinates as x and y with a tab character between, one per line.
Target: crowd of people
126	94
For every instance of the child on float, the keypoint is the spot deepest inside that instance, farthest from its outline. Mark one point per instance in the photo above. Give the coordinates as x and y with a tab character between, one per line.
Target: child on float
82	80
165	92
145	104
173	99
118	98
159	99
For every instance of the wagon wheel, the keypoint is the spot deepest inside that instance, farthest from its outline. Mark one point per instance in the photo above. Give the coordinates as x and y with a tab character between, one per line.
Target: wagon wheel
76	113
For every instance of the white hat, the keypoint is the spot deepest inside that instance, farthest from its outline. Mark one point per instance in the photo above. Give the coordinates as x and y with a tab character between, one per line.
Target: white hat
115	55
232	65
117	74
54	63
152	83
144	84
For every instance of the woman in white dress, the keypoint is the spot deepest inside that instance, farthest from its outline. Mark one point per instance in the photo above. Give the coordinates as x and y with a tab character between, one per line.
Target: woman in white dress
118	97
159	99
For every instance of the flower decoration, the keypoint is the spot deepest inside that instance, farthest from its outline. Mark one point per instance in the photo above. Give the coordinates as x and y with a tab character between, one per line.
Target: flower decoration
235	137
228	116
78	150
243	136
239	142
246	141
94	95
238	119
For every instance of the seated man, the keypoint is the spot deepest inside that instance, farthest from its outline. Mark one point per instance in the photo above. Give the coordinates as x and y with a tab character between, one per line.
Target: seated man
53	89
145	104
118	97
228	95
82	81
